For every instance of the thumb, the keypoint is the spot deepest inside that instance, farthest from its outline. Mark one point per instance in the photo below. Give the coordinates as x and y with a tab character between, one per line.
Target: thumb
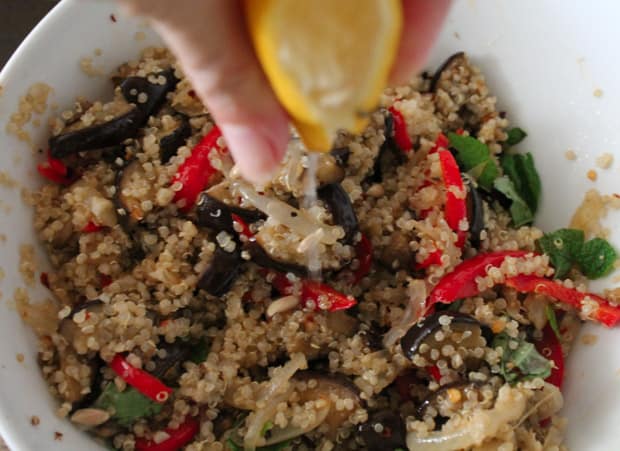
209	39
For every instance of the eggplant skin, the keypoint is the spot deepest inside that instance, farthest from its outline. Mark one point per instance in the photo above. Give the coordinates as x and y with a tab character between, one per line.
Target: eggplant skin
214	213
419	332
446	65
262	258
339	204
475	214
132	87
107	134
169	144
221	272
393	435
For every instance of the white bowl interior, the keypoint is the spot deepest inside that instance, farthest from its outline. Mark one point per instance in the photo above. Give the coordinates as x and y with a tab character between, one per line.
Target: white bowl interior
543	60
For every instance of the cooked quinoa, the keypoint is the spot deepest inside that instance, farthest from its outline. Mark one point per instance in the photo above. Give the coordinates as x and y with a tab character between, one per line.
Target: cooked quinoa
212	295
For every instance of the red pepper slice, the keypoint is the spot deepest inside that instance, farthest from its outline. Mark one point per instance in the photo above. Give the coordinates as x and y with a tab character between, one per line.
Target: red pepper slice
57	165
46	171
401	137
433	370
441	142
91	227
142	381
363	251
178	438
461	283
311	291
606	313
456	209
105	280
245	229
434	258
196	171
549	347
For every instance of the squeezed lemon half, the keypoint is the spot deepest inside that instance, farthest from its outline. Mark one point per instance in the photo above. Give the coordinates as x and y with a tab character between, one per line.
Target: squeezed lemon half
327	60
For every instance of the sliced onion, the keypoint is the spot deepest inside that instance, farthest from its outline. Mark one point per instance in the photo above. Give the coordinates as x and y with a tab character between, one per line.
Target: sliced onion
479	426
275	392
298	221
417	296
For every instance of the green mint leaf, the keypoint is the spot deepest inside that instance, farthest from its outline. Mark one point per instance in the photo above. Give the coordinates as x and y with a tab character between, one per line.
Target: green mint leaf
475	158
128	406
553	320
521	170
199	352
519	210
455	306
266	428
233	446
515	136
597	258
522	362
563	248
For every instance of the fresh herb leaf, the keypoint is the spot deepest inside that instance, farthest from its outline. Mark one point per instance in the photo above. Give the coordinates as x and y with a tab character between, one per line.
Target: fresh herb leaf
519	210
553	320
233	446
199	352
563	248
597	258
520	359
515	136
521	170
474	156
266	428
455	306
128	406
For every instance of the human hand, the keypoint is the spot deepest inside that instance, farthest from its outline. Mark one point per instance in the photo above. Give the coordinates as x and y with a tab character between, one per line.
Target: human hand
210	40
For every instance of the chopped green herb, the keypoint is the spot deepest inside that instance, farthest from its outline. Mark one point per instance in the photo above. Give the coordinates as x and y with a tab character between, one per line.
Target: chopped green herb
515	136
128	406
199	352
553	321
521	170
455	306
520	359
597	258
233	446
519	210
563	247
474	156
266	428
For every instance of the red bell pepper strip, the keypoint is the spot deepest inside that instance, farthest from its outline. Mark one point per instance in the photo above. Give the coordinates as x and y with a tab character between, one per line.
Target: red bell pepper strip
244	228
311	291
91	227
550	348
606	313
441	142
456	209
363	251
177	439
434	258
461	283
142	381
434	372
196	171
55	170
401	137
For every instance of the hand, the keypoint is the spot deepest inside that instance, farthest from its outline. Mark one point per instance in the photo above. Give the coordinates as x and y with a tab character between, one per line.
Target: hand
210	40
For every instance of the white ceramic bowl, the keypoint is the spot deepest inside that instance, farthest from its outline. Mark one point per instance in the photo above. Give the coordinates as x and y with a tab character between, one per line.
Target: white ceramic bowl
544	62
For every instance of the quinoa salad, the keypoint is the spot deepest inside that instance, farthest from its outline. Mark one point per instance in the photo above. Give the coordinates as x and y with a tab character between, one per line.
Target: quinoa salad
411	305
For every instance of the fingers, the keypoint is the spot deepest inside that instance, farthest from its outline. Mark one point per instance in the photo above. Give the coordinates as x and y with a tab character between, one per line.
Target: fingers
209	39
422	23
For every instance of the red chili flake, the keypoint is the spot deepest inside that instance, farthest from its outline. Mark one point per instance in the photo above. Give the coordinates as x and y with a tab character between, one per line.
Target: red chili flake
113	18
45	280
57	435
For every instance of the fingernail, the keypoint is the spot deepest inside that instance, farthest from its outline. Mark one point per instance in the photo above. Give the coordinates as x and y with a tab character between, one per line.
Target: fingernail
256	156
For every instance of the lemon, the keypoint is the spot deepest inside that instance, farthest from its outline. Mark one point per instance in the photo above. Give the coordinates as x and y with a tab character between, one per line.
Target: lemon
327	60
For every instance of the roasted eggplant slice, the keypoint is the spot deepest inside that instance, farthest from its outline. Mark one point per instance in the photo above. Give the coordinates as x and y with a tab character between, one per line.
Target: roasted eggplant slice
341	154
217	215
452	60
170	143
449	397
126	178
176	354
149	93
384	430
221	272
389	156
99	136
326	386
443	328
338	203
475	213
